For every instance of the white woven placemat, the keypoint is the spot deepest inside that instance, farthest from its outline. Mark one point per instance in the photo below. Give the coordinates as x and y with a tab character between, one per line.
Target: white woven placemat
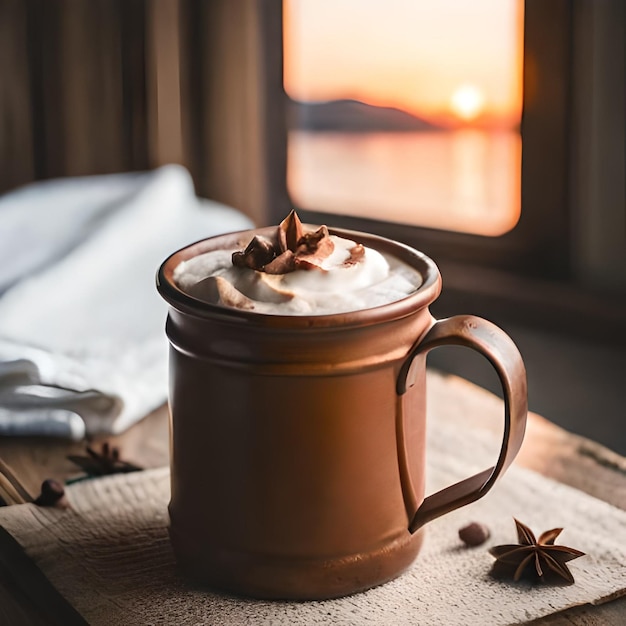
110	556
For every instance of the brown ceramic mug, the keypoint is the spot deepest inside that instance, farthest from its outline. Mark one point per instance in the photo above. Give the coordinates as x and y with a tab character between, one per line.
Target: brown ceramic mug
298	442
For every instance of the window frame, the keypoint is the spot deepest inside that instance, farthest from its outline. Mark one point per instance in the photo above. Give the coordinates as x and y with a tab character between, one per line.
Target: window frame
235	109
536	245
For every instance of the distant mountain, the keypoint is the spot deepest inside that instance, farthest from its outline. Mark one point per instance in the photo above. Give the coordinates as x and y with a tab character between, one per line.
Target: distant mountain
352	116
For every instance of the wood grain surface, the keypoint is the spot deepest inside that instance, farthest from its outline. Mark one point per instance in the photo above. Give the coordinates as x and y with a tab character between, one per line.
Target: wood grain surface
547	449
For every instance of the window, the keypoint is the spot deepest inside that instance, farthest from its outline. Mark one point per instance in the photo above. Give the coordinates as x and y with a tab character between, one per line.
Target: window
536	245
410	106
234	110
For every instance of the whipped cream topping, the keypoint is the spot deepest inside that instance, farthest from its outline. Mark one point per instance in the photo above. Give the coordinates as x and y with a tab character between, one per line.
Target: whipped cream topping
338	285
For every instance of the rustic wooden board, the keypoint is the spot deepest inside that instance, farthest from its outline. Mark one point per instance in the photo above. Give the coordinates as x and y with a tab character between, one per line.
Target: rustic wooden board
547	449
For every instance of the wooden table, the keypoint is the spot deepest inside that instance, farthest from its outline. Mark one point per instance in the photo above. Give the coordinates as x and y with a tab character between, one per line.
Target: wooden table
547	449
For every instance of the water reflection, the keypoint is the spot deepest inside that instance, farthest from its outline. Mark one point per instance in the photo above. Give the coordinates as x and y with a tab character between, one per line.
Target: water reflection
465	180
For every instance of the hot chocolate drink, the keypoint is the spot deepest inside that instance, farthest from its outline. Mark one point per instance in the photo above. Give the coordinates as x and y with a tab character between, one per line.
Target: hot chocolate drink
298	408
299	271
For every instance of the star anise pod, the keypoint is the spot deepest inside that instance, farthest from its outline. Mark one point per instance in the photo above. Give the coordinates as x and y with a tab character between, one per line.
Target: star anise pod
107	461
538	559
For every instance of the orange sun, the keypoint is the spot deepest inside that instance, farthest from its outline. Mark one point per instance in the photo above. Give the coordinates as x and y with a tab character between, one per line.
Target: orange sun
467	102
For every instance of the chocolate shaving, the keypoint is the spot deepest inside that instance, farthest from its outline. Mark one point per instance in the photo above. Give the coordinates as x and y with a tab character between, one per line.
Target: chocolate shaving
313	248
356	255
258	253
318	242
292	249
282	264
290	232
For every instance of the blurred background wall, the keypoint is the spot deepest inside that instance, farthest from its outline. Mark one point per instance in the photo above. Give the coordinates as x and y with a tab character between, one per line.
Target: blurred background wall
101	86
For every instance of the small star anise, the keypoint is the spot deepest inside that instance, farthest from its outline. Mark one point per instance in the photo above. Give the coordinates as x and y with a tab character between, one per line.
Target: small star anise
107	461
539	558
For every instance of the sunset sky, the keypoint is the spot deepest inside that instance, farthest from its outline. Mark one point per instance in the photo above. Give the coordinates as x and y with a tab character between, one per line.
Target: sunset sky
448	61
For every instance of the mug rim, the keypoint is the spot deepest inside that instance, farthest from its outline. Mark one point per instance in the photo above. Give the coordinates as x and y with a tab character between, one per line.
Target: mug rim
424	295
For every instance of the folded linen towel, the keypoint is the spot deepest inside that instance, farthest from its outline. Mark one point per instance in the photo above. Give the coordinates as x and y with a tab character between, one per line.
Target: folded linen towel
82	343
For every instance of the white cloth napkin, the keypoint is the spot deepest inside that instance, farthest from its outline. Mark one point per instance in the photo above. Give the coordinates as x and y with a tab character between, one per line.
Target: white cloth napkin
82	342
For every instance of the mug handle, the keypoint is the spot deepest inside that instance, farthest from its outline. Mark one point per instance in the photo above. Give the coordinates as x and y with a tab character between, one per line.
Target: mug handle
493	343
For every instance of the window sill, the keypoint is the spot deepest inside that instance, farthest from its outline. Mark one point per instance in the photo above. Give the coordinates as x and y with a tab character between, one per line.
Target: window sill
557	306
